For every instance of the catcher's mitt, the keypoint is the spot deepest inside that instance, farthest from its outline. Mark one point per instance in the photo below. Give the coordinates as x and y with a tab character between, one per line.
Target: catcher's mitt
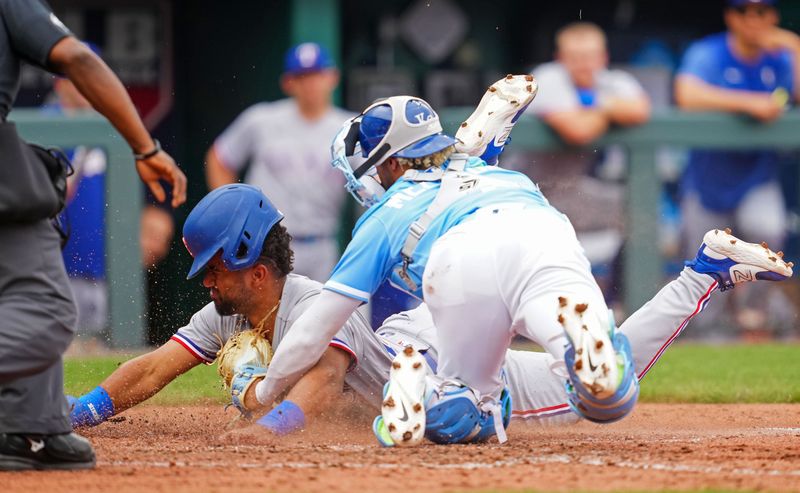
241	362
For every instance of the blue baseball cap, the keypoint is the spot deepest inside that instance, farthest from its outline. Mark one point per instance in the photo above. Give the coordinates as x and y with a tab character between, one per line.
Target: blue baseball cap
307	57
745	3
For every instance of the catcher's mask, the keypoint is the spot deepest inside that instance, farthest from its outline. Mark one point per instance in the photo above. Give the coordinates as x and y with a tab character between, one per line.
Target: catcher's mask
401	126
235	220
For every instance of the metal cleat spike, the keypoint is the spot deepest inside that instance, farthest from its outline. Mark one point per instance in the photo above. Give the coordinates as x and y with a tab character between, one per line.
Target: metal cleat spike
790	264
584	327
492	89
416	365
408	351
579	351
716	231
417	407
464	124
417	426
780	254
529	78
395	365
578	365
561	319
406	436
562	301
774	259
529	88
480	133
598	345
509	77
581	307
764	245
388	402
392	427
733	242
728	231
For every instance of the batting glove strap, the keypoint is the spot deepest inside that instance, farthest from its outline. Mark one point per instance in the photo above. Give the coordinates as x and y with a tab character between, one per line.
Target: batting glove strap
285	418
244	377
612	408
90	409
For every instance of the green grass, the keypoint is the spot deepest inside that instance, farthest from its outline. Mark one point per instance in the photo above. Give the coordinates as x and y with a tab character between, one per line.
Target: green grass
199	384
686	373
730	373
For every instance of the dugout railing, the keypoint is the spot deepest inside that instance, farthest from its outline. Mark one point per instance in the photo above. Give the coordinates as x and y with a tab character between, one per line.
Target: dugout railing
643	262
643	265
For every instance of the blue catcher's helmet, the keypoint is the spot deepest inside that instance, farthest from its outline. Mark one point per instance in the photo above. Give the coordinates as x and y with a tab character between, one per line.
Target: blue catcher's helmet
401	126
233	219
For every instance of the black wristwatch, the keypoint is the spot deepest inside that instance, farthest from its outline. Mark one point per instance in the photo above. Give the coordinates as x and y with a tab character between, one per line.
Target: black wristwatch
149	154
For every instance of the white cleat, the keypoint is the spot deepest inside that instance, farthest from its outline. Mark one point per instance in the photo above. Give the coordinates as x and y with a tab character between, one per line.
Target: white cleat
486	131
730	260
596	364
403	409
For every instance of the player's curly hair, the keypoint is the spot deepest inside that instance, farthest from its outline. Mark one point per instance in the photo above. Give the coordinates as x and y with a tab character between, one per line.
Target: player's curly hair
277	250
430	161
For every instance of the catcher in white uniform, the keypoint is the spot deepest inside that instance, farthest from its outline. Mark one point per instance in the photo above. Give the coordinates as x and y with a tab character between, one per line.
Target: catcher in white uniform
490	257
246	290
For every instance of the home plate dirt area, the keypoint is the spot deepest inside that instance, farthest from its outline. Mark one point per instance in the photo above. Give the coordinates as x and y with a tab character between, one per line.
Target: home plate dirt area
754	447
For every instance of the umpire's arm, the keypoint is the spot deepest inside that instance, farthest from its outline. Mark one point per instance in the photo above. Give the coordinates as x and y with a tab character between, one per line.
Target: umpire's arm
98	84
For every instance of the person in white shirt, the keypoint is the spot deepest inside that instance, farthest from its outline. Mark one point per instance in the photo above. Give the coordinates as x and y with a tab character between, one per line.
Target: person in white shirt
287	146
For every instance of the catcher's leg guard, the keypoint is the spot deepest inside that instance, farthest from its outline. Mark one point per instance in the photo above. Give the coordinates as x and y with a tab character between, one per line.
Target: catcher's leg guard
456	415
602	385
730	260
486	131
488	423
402	420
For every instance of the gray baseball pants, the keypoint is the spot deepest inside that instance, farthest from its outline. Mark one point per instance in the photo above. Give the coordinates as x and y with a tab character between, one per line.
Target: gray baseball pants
37	323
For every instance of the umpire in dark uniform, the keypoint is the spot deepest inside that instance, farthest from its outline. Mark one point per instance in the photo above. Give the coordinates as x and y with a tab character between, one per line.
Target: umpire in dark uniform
37	314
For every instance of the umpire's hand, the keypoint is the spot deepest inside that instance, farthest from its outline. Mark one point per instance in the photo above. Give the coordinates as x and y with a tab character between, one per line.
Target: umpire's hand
162	166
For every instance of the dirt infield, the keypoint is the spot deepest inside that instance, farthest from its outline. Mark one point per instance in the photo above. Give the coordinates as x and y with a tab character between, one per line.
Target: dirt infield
662	446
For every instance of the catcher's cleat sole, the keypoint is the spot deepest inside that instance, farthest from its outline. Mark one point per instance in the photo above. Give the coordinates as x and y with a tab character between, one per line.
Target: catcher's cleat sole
596	364
486	131
731	261
403	410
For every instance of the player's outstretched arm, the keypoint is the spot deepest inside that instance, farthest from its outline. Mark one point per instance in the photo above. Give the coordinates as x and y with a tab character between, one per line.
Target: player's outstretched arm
315	392
305	343
133	382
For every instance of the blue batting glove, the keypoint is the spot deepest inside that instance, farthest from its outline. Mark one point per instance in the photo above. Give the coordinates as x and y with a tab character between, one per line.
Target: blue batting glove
285	418
90	409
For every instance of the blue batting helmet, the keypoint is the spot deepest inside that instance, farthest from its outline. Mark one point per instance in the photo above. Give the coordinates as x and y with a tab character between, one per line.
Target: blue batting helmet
234	220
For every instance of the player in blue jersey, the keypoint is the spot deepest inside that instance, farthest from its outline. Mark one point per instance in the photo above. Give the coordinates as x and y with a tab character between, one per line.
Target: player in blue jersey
750	69
489	256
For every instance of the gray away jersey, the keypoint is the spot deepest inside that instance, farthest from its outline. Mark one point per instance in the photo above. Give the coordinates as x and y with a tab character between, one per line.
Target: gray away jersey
207	332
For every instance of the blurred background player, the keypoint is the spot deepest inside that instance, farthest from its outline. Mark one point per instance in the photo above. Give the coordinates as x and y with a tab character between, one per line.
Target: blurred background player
580	98
84	217
752	69
287	146
37	311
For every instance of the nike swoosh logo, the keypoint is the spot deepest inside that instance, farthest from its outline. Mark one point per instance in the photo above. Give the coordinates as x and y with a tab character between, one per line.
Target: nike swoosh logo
592	366
36	445
405	413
